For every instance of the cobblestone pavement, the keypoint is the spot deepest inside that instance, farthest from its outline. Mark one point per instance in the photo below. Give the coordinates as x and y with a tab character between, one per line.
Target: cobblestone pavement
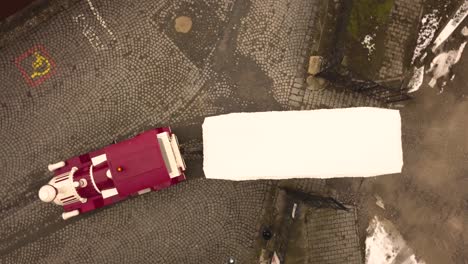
86	73
318	229
200	221
404	19
332	236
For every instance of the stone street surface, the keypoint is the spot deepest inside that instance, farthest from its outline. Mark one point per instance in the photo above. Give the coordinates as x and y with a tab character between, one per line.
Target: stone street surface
77	75
111	69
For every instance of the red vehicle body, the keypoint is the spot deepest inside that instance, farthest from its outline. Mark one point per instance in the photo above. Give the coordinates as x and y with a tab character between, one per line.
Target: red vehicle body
148	162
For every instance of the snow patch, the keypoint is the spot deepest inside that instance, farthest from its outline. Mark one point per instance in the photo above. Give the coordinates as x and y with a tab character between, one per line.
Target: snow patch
416	80
379	202
369	44
384	244
442	63
456	20
465	31
430	24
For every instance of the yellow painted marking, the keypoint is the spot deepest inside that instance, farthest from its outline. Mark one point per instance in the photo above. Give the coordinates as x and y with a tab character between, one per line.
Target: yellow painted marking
41	66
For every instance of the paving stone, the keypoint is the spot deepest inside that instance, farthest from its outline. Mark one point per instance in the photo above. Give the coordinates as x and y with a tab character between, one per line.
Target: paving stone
335	238
404	20
117	68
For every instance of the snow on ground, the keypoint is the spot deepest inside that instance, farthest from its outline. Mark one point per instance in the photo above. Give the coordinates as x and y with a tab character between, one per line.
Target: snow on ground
369	44
440	68
430	24
456	20
416	80
385	245
465	31
442	63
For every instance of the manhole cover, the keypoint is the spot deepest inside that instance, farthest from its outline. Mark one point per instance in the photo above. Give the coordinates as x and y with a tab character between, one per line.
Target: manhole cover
183	24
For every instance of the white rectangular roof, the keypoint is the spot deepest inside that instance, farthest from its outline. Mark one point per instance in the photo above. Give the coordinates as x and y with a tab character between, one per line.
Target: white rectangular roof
350	142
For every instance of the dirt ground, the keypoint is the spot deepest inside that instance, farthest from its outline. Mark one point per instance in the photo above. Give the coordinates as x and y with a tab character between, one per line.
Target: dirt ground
428	201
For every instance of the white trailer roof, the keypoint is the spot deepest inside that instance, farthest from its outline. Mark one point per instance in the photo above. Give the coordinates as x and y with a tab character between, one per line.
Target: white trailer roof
351	142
